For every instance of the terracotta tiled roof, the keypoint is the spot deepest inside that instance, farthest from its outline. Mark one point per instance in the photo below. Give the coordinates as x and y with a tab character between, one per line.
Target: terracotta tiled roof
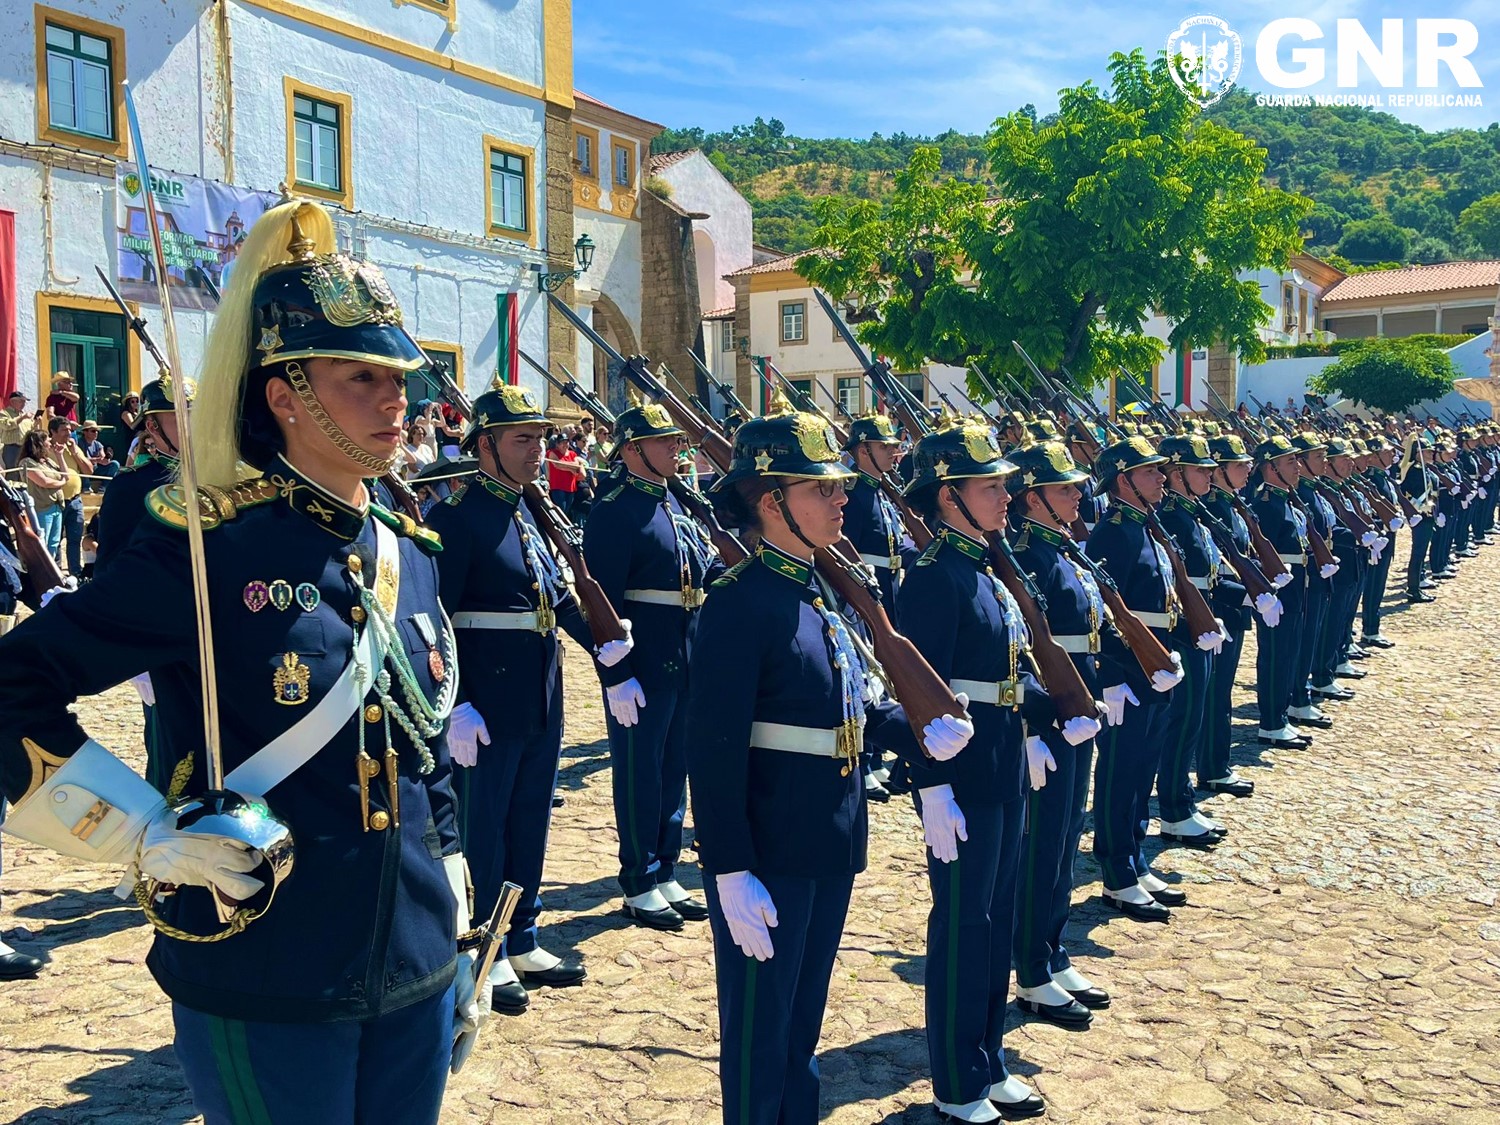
580	96
590	100
1414	280
663	160
775	265
726	313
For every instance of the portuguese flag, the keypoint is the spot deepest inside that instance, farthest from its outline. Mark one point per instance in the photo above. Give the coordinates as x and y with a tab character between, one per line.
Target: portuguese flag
507	354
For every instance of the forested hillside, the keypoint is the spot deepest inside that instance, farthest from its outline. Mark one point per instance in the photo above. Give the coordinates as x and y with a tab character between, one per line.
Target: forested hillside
1385	191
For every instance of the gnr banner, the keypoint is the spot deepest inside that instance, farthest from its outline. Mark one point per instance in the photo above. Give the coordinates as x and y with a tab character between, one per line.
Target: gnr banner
202	224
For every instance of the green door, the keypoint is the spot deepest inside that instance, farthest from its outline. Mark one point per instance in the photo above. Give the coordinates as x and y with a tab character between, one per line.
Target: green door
91	347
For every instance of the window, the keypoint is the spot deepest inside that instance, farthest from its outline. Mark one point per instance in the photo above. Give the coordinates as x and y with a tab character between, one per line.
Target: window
585	153
319	128
423	383
507	198
794	322
624	165
915	384
1288	310
79	101
849	393
726	335
803	386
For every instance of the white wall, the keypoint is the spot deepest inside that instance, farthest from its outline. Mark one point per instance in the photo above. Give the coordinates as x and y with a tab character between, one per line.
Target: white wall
616	269
700	187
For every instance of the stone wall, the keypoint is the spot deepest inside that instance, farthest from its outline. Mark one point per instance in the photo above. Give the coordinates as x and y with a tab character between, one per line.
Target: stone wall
562	346
1223	372
671	320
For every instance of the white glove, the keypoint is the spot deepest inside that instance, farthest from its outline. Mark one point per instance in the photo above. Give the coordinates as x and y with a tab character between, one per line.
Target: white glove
466	730
1165	681
1416	518
1483	494
68	586
1464	504
1269	607
1397	523
749	911
1368	539
471	997
1442	521
611	653
1077	731
170	856
946	735
625	701
1328	570
143	688
1038	761
1455	490
1282	579
1211	642
1115	698
943	823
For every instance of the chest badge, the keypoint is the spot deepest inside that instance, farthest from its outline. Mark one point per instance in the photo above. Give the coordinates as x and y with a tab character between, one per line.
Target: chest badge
308	597
281	594
386	586
257	596
290	681
435	665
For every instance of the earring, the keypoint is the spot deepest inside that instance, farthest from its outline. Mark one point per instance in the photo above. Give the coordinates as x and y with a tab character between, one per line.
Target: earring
291	419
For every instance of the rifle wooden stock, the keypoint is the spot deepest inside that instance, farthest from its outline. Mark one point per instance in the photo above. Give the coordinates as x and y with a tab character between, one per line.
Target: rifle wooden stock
402	494
1059	675
1265	551
1149	653
604	622
1322	553
1385	511
1245	568
1343	509
1195	608
923	695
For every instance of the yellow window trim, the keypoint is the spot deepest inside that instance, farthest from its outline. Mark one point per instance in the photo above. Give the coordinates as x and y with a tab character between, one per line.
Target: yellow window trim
117	147
593	136
445	8
491	230
558	57
617	145
46	302
458	357
291	87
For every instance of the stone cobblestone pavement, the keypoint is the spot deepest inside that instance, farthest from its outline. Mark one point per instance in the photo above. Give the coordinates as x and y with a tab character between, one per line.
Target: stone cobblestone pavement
1340	960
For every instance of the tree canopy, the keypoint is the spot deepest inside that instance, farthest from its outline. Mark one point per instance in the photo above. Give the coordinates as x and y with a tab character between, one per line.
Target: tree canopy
1388	374
1128	202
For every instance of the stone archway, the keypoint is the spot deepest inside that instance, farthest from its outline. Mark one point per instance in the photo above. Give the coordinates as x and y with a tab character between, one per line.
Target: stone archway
611	323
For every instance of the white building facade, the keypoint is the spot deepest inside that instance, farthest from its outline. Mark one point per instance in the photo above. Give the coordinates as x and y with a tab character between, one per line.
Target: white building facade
425	125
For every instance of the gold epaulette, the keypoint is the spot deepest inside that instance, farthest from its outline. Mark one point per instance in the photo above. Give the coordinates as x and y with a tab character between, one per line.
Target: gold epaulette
612	493
405	525
215	505
733	573
457	494
926	557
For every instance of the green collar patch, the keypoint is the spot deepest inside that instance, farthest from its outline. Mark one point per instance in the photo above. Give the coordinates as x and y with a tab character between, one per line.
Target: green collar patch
649	487
779	562
496	488
868	479
1044	533
965	545
1131	512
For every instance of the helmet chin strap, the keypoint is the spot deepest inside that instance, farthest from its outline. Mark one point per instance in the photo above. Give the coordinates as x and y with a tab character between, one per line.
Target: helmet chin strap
640	451
160	435
963	509
786	514
1145	507
1057	519
499	464
341	441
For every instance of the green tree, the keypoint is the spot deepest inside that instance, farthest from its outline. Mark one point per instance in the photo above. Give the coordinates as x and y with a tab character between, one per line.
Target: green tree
1373	240
1128	203
1480	224
1388	374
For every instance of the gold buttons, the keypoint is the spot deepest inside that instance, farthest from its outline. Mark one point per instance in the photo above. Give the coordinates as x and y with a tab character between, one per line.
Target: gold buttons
355	565
380	820
357	615
373	713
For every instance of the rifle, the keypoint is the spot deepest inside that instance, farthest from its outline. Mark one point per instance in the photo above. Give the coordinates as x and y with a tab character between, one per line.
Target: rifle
913	414
722	387
1149	653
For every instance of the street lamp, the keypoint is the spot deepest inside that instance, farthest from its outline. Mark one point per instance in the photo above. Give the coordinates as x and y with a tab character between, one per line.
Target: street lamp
583	254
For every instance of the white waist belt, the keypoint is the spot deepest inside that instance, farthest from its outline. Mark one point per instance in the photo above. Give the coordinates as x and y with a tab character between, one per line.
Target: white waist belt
656	597
1200	583
1294	560
882	561
1078	643
1155	620
816	741
1005	693
475	620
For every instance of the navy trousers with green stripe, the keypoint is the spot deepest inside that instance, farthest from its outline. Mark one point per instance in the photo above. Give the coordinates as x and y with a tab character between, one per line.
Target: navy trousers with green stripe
1054	823
649	762
970	935
1184	734
771	1012
1213	759
1123	775
505	810
1309	644
1276	652
1421	541
353	1073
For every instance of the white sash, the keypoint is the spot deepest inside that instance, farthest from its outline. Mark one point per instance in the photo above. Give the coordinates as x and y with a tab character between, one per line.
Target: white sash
284	755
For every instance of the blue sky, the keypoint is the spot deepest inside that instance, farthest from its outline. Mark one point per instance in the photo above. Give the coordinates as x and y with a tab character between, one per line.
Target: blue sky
922	66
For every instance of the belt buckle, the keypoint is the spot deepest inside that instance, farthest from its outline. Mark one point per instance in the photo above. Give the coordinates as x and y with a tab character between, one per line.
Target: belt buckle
1011	693
895	561
1094	644
692	598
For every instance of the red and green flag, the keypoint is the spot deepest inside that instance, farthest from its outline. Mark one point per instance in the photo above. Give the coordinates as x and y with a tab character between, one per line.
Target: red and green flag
508	354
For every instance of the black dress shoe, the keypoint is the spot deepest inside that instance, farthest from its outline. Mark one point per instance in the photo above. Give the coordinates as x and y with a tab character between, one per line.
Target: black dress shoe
17	966
1029	1106
667	919
1418	598
1351	674
1140	911
558	800
510	999
1299	742
1340	693
564	974
1095	999
691	909
1239	787
1169	896
1202	840
1358	654
1378	642
877	793
1322	722
1071	1015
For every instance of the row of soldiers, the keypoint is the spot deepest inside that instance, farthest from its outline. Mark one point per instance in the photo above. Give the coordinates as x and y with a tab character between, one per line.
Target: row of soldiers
999	636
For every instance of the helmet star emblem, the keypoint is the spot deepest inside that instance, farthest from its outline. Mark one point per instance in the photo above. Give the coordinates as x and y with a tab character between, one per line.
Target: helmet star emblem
1029	478
1120	464
940	468
762	461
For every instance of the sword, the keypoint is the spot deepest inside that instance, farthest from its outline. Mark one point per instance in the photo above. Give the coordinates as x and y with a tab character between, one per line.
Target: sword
491	935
